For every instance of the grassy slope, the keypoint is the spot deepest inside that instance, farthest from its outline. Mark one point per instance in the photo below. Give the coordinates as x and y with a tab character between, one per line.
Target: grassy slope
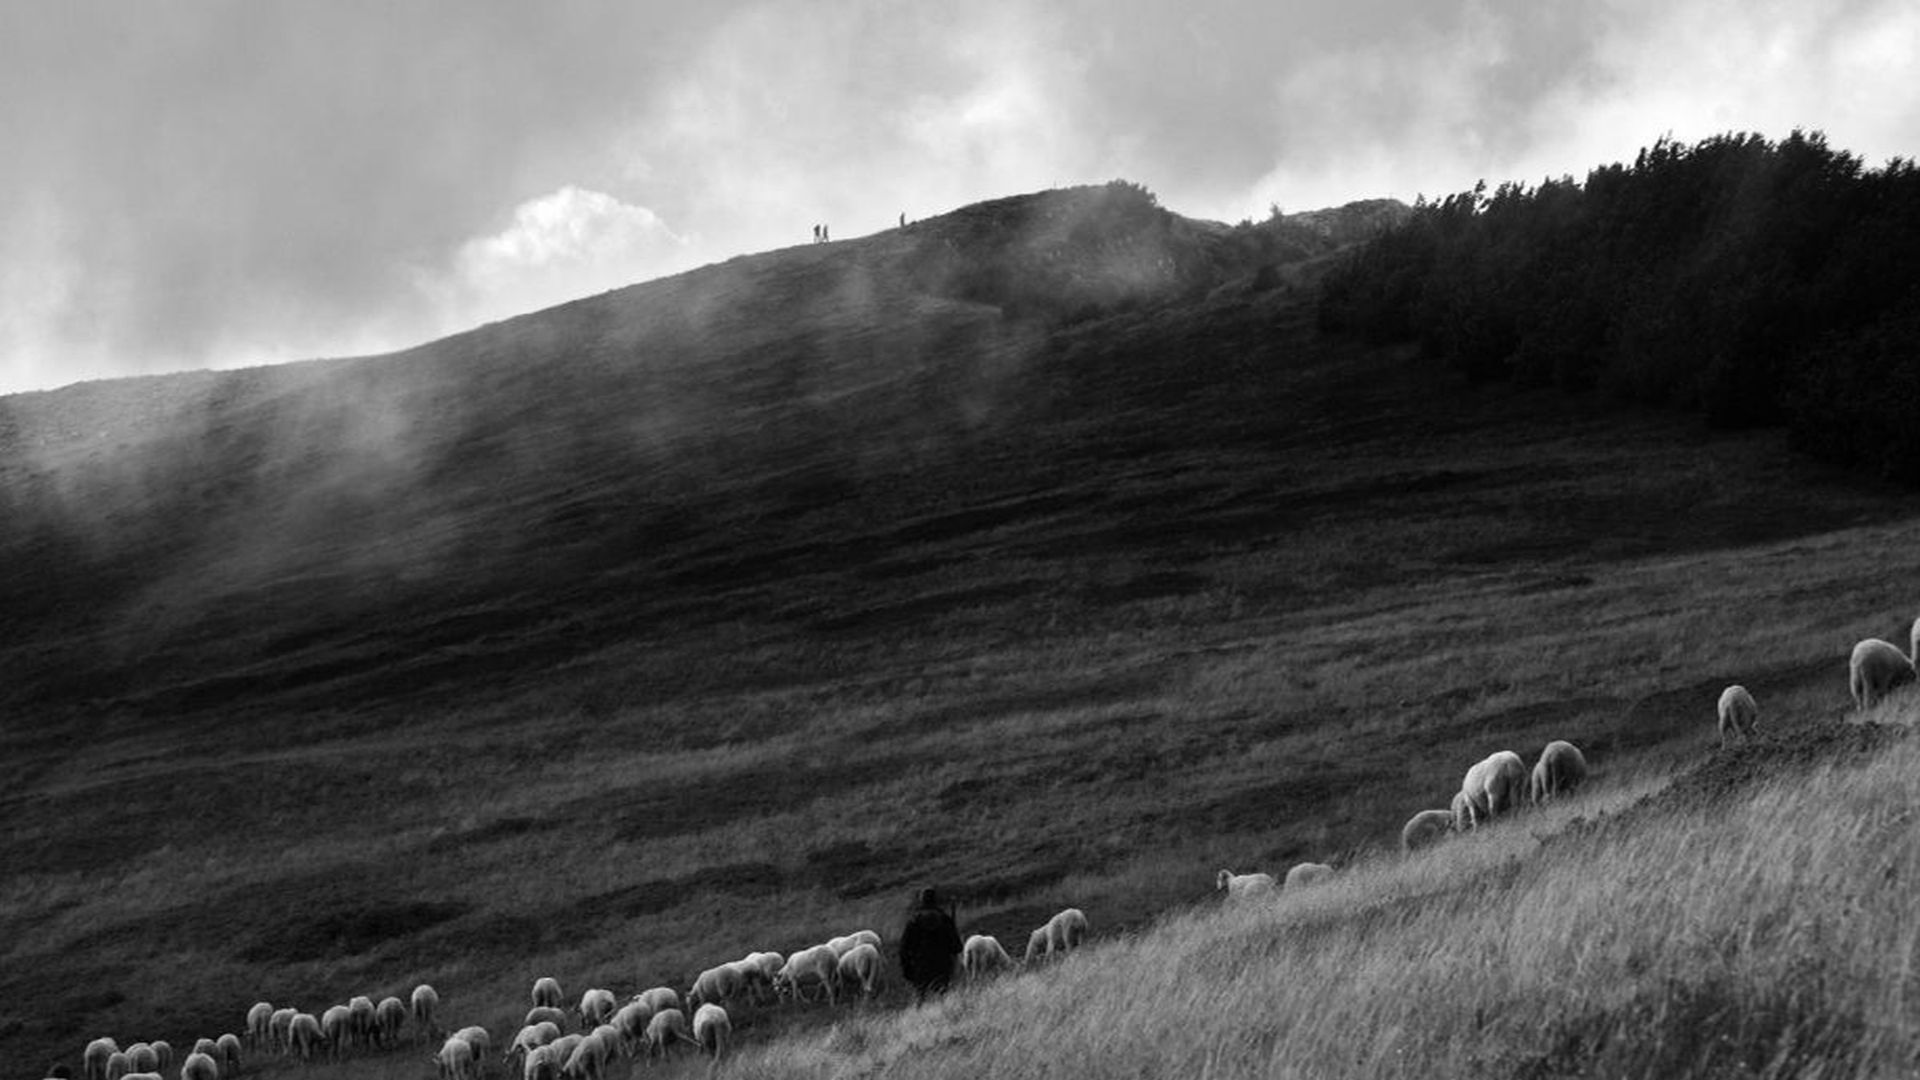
1747	916
714	614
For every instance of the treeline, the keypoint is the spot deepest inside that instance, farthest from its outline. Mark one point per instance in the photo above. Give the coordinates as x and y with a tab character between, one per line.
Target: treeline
1761	283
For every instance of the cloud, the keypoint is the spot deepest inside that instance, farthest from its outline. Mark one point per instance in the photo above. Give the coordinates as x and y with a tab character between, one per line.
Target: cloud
568	243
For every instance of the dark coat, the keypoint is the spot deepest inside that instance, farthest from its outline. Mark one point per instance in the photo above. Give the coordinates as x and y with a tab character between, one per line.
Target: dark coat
929	944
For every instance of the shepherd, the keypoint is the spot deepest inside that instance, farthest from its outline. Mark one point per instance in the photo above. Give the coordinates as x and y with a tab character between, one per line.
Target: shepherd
929	945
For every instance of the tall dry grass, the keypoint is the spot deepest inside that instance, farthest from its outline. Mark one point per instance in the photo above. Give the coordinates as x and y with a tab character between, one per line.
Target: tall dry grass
1769	932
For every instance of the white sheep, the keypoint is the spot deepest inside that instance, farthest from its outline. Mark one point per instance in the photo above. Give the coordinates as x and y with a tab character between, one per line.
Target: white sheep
712	1028
668	1026
259	1025
630	1022
546	991
540	1064
455	1059
860	966
93	1061
423	1004
277	1025
143	1076
561	1049
818	964
360	1015
1877	669
841	945
527	1040
1561	770
336	1027
476	1037
142	1058
1424	828
658	998
1738	712
1243	886
198	1066
304	1036
596	1007
759	969
389	1016
983	955
1494	785
1308	873
1462	810
1913	640
718	984
1062	934
545	1014
205	1046
117	1066
162	1056
587	1062
228	1057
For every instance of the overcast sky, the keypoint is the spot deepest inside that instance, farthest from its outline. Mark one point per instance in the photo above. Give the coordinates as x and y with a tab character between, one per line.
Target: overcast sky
215	183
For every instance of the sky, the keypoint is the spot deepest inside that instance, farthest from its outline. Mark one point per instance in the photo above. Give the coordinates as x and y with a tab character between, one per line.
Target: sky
222	183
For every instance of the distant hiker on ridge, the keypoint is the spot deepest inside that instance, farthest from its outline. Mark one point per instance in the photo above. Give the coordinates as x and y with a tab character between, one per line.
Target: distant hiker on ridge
816	234
929	945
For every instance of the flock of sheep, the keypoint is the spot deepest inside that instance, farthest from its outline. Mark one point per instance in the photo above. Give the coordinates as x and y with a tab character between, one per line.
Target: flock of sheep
653	1022
649	1024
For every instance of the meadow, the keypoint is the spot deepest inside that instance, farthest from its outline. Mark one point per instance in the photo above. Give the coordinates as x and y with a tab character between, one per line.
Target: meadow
561	662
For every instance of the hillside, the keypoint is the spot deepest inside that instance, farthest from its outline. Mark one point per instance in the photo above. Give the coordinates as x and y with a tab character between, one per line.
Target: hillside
1044	551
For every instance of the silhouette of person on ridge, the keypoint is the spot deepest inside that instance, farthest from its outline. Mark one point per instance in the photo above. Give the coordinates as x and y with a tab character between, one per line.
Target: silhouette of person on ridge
929	945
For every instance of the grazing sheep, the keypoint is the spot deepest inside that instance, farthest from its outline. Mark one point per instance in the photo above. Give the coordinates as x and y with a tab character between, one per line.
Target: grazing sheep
588	1060
93	1061
1494	785
842	945
336	1027
1561	770
205	1046
545	1014
162	1055
229	1055
304	1036
596	1008
277	1025
455	1059
658	998
1462	810
142	1058
560	1051
476	1037
540	1064
117	1066
423	1004
720	983
1243	886
546	991
630	1025
199	1066
1877	669
530	1038
759	969
668	1026
389	1016
144	1076
1308	873
360	1019
1738	712
712	1028
1424	828
982	956
860	965
817	964
259	1025
1062	934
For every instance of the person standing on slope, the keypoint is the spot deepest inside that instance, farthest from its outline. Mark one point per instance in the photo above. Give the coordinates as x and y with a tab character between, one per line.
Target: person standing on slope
929	945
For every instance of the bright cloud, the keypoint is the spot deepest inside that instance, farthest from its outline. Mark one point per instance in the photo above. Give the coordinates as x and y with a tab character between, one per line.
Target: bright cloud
568	243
